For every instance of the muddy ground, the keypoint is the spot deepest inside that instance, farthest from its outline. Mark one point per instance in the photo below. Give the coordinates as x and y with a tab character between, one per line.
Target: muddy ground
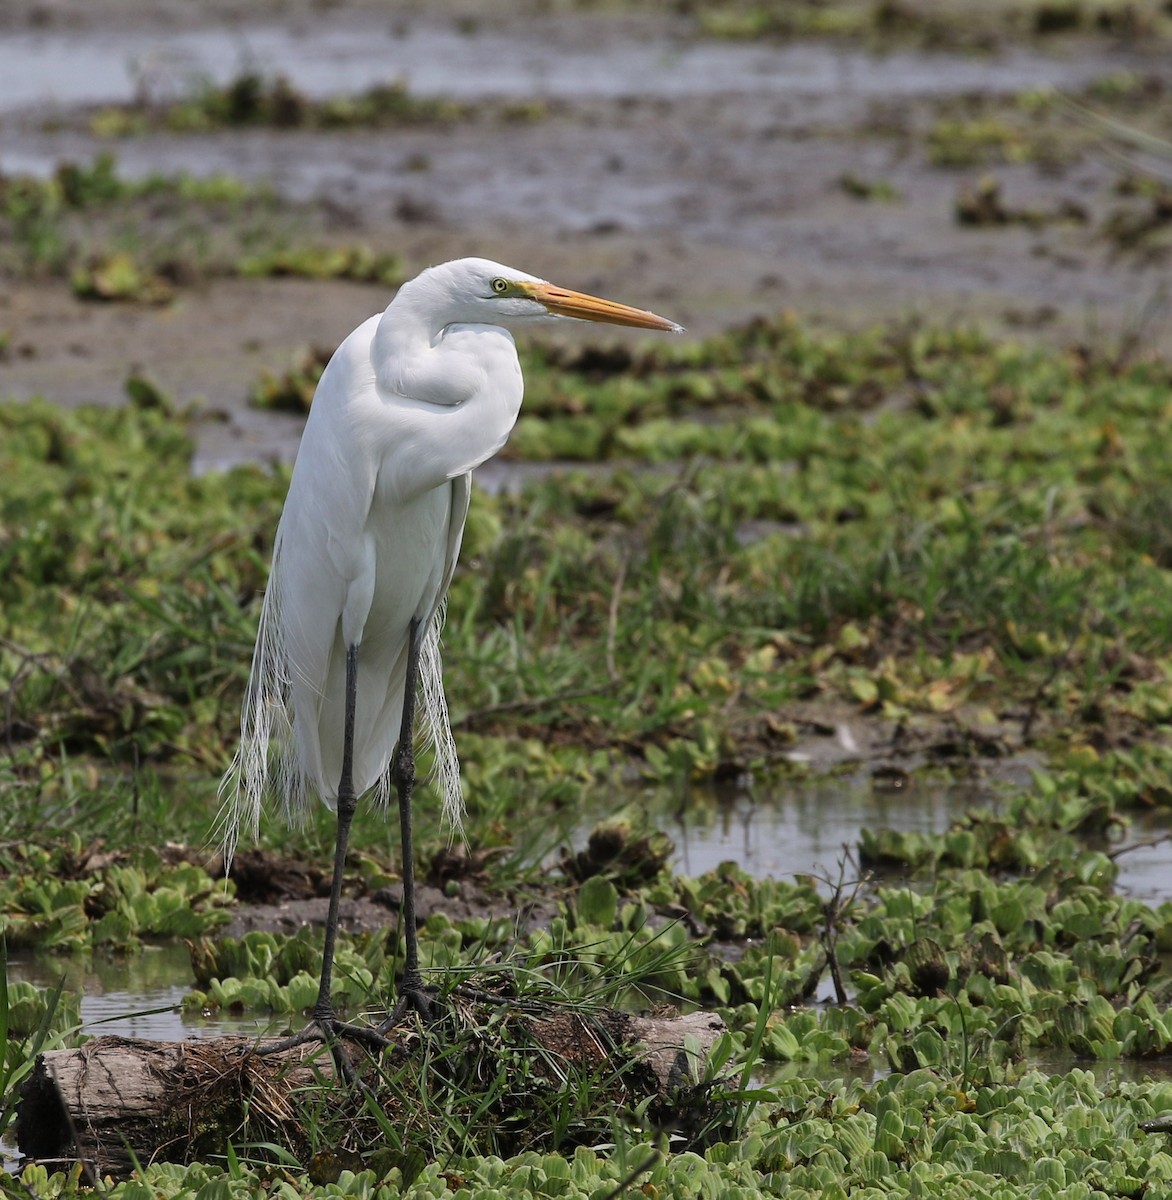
700	178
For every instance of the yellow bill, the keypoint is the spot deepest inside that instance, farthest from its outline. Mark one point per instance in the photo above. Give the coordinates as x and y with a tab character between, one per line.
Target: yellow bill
565	303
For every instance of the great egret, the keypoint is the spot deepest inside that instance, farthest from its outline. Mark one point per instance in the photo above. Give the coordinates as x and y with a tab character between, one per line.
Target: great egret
410	404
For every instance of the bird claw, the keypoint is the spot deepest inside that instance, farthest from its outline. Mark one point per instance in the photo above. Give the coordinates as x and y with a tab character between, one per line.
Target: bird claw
330	1030
415	997
334	1029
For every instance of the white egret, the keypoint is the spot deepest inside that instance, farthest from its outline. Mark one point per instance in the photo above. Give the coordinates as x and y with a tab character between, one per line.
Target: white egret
410	404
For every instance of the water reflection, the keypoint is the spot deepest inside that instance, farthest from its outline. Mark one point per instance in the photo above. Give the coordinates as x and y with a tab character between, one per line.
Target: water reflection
1107	1074
1145	872
801	826
806	826
133	995
325	57
794	827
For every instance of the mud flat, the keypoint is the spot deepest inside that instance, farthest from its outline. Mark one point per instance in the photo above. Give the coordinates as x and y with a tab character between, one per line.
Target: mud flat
711	179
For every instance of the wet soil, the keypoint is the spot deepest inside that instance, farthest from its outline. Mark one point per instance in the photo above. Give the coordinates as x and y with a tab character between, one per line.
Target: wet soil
379	912
703	179
282	895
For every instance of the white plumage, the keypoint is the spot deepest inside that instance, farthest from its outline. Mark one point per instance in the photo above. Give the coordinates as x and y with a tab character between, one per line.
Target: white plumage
410	404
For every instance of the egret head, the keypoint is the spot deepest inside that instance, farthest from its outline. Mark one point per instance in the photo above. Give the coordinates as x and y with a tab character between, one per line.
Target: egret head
481	292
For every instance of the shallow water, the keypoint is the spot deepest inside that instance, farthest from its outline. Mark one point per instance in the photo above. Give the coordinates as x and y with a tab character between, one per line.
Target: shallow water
661	160
805	827
135	996
1106	1073
747	88
56	69
802	826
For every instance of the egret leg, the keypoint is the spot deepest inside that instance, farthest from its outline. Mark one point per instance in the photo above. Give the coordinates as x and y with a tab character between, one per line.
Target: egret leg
412	993
323	1010
326	1026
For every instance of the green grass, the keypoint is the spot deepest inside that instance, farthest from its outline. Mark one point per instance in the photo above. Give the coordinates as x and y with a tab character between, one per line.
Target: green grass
921	524
961	537
252	100
120	240
935	24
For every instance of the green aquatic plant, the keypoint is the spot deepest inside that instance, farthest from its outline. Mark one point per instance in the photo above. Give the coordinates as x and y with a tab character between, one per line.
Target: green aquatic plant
357	263
933	25
32	1020
63	897
117	239
982	550
978	142
117	276
953	540
293	390
252	99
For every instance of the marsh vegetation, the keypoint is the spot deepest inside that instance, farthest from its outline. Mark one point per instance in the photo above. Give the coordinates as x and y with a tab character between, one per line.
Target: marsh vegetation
711	558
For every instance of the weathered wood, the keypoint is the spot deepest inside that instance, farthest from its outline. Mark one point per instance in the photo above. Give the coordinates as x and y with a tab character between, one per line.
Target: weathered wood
665	1049
117	1101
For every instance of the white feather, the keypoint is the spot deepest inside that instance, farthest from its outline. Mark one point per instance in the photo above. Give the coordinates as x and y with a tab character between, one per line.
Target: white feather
410	404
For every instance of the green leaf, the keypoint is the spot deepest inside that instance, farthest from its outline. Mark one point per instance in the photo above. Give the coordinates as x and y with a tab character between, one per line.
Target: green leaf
598	902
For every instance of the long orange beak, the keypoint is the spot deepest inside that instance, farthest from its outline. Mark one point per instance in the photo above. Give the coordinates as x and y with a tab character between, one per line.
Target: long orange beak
565	303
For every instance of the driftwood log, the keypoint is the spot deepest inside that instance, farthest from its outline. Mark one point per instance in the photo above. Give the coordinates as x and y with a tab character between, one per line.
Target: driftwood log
116	1102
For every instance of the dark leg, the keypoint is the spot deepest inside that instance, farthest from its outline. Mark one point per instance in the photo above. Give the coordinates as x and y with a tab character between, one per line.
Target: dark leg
323	1010
412	993
325	1025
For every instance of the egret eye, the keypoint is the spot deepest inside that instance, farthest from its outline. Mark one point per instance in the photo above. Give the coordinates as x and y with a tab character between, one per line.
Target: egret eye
500	286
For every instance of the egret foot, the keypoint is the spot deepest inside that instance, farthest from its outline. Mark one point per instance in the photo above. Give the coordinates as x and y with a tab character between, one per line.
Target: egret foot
330	1030
414	996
